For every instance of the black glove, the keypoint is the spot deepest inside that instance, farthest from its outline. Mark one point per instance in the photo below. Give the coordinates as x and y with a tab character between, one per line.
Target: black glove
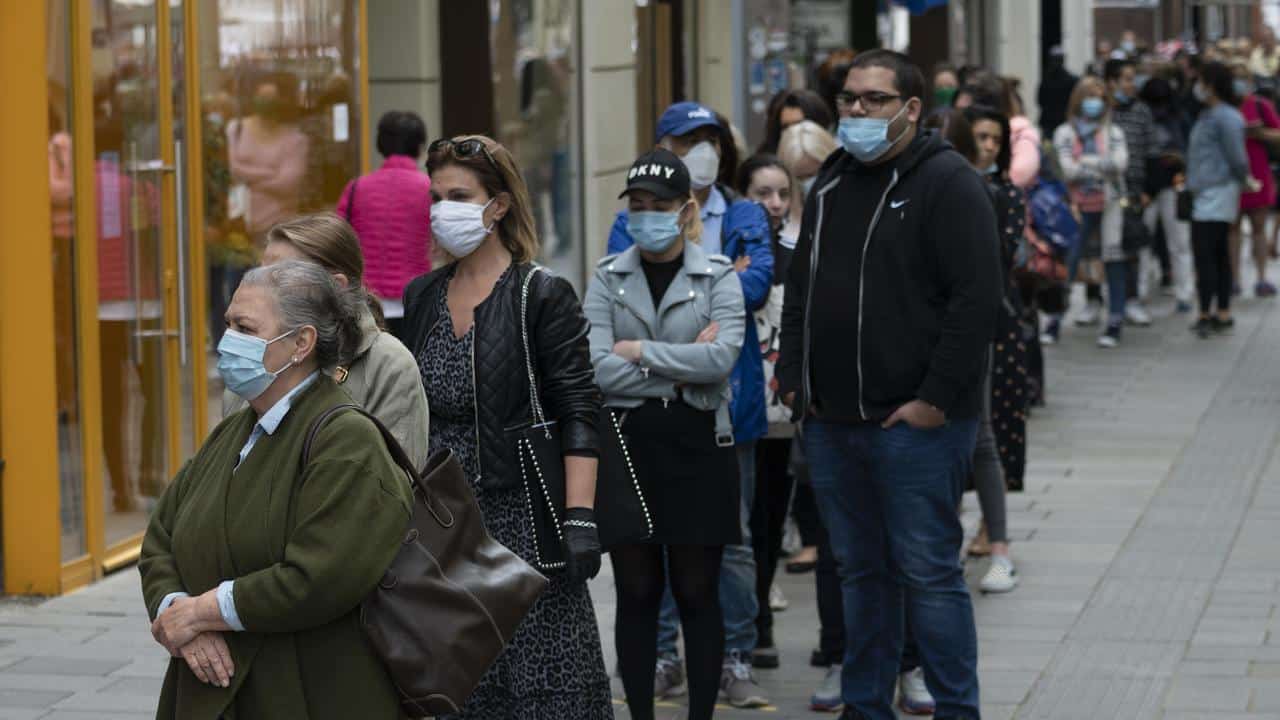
582	544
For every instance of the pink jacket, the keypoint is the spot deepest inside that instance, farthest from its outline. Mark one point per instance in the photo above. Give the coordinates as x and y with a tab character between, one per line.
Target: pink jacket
392	218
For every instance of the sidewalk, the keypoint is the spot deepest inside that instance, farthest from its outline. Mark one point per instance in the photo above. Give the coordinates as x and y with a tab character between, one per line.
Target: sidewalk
1148	541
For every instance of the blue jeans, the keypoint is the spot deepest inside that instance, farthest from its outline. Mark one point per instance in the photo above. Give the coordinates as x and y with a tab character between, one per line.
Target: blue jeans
888	499
737	578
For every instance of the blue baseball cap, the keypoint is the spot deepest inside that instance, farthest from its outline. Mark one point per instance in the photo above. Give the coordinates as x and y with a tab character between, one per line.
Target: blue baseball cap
683	118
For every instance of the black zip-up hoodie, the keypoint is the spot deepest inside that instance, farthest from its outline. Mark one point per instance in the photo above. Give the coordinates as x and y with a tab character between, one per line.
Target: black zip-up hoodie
900	311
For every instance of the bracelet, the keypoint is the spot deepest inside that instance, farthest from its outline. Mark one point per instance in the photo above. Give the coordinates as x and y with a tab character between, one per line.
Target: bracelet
580	523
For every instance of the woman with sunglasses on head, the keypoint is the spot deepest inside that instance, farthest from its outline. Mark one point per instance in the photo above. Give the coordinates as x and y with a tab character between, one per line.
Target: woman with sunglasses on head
462	322
667	323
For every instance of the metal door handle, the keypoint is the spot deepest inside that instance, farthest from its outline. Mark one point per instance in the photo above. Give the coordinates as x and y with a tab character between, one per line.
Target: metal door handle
155	333
183	310
151	166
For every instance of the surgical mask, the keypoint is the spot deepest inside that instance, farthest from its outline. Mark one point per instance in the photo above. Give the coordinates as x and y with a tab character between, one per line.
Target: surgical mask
867	139
1120	97
992	169
1242	87
240	363
1093	107
943	96
703	163
1140	81
1129	46
654	231
459	226
806	185
1199	92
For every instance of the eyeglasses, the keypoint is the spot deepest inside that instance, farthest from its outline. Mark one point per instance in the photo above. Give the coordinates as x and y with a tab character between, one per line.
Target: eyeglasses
871	101
462	150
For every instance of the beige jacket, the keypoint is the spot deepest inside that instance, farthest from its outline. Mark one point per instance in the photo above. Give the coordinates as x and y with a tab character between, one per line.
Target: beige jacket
384	379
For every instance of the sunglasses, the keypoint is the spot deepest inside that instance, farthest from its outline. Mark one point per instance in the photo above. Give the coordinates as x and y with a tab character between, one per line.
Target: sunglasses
462	150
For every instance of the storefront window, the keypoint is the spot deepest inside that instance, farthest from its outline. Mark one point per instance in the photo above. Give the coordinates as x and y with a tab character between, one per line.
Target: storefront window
280	129
61	183
535	115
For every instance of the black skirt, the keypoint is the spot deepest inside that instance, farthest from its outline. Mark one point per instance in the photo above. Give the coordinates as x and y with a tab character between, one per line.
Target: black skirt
691	484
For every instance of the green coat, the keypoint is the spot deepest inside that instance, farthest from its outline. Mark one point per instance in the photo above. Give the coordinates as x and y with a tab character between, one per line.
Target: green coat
298	580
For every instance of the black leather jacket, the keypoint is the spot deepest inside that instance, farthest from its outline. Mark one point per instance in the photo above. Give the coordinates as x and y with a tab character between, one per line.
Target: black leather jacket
562	360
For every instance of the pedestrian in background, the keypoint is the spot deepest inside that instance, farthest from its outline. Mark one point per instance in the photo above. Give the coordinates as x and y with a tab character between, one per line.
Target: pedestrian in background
1134	118
1262	129
888	382
258	599
382	374
1093	156
1165	170
764	179
390	209
789	107
667	324
461	322
1217	170
737	228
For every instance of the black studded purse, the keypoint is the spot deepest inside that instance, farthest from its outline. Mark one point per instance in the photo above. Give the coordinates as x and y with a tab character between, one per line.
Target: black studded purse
622	515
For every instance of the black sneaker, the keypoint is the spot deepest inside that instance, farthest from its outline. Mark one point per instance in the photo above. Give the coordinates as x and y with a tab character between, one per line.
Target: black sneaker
820	659
1223	326
1203	328
765	656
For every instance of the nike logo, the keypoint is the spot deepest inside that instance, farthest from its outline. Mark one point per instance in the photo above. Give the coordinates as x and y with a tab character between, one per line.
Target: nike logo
898	204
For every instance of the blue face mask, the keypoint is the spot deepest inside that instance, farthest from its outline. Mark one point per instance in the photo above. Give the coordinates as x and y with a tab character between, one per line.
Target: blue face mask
867	139
1120	97
240	363
1092	107
654	231
1242	87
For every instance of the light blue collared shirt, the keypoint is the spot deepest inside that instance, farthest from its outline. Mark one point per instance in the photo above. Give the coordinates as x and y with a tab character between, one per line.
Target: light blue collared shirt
712	219
267	424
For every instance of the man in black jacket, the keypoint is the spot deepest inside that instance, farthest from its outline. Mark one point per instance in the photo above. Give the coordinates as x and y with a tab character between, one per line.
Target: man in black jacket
891	302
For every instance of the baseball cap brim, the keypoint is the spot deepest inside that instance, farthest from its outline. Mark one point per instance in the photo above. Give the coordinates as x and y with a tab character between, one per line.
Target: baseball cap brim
663	191
689	125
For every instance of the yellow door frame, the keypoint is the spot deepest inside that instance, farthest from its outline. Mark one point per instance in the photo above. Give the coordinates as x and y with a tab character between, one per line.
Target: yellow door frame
28	383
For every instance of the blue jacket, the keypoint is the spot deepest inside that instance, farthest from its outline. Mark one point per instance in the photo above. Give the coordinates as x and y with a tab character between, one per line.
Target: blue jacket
745	231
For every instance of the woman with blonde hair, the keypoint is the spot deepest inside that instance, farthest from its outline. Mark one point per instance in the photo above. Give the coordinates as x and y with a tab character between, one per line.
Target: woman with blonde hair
1093	155
667	374
464	323
381	375
803	148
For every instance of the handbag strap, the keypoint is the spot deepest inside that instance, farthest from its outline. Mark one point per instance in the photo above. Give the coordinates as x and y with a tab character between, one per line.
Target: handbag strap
398	454
535	403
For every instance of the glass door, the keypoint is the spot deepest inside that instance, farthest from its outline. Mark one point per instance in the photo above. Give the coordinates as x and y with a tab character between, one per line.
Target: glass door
140	327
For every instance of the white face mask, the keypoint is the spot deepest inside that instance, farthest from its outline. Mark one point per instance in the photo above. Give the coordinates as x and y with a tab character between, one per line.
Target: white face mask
459	226
704	164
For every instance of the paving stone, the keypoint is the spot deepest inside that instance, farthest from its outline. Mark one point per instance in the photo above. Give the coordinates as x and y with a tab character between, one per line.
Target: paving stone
65	666
18	698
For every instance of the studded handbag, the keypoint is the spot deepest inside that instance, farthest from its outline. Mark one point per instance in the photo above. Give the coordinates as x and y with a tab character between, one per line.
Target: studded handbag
622	515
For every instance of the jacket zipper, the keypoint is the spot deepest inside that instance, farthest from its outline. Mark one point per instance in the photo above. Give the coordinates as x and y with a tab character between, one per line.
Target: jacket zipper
862	271
475	404
805	383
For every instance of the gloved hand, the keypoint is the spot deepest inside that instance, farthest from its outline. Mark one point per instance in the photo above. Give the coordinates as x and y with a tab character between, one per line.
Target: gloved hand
582	544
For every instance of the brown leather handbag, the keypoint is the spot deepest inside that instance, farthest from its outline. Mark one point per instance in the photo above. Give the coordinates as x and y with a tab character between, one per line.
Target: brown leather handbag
453	596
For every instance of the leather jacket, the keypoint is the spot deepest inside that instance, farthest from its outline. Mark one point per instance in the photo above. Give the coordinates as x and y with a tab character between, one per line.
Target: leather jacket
562	361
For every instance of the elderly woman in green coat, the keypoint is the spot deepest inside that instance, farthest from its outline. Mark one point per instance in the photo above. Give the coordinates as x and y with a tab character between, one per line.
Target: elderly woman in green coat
254	566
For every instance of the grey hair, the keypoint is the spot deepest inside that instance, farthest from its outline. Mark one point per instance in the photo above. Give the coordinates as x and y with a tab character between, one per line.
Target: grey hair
306	294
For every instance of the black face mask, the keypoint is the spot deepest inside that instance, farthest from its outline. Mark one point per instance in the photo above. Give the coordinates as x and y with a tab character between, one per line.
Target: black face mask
270	108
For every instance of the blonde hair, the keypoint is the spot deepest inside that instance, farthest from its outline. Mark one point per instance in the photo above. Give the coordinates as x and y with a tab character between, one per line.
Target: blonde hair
693	229
516	229
330	242
1086	85
804	139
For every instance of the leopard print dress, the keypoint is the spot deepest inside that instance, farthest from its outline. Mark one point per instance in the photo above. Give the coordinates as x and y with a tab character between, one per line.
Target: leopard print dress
553	669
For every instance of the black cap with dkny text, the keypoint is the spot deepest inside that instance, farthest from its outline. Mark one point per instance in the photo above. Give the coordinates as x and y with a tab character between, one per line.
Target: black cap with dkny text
660	172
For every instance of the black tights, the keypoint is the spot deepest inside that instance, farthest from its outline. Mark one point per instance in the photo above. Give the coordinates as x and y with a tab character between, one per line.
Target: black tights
640	576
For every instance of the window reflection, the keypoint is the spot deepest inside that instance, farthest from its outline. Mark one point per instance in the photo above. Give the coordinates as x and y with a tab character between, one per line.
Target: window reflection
533	46
280	129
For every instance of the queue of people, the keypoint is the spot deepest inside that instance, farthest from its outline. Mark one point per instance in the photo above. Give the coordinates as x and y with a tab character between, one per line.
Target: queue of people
781	341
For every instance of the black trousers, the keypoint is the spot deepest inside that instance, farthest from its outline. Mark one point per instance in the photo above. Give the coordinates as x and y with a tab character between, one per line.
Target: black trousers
774	486
1210	247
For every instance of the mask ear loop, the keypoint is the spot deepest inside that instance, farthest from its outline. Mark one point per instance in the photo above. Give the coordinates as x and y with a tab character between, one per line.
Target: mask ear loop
493	224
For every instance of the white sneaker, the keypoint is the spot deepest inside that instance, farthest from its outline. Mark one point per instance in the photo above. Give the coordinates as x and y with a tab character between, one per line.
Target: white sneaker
1136	314
1090	315
915	697
1001	577
777	601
